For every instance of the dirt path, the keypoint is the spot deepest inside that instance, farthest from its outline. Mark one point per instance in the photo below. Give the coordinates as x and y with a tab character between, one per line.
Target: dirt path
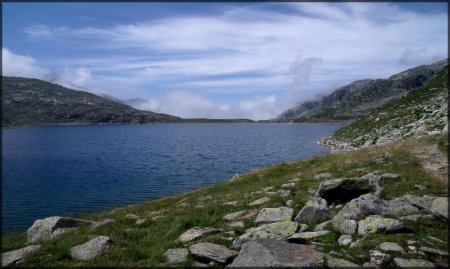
433	160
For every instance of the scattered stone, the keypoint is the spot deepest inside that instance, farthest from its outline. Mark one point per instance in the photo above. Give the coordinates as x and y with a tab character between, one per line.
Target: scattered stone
183	205
290	203
256	193
232	203
91	249
332	262
415	217
197	233
345	240
436	239
369	265
277	230
295	180
322	226
413	263
232	233
260	201
388	246
268	189
212	252
17	256
302	227
102	223
176	255
141	221
355	244
433	251
283	193
412	248
271	193
274	253
379	258
61	231
376	224
322	175
132	217
239	224
307	236
439	207
42	229
420	187
389	176
271	215
234	216
314	210
288	185
250	213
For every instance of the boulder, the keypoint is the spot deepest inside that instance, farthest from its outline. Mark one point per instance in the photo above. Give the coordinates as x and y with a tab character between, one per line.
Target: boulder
302	227
314	210
393	247
91	249
379	258
307	236
259	201
345	240
439	207
322	175
234	216
271	215
413	263
345	226
212	252
417	201
283	193
17	256
322	226
343	190
398	208
274	253
375	224
364	205
277	230
176	255
197	233
42	229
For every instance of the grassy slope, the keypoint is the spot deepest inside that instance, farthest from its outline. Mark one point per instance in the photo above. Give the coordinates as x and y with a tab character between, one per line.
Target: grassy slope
146	247
395	113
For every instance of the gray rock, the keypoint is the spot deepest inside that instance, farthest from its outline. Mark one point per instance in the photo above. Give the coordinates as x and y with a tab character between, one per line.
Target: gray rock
379	258
290	203
369	265
212	252
295	180
232	203
271	215
132	217
102	223
250	213
345	240
273	253
420	187
414	217
398	208
42	229
58	232
343	189
439	207
413	263
266	189
277	230
314	210
322	226
307	236
322	175
197	233
390	176
345	226
176	255
239	224
141	221
388	246
359	208
260	201
234	216
302	227
17	256
289	185
179	205
91	249
417	201
332	262
433	251
283	193
376	224
436	239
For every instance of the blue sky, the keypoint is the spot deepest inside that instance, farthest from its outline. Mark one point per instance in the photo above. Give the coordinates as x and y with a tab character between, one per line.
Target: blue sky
220	60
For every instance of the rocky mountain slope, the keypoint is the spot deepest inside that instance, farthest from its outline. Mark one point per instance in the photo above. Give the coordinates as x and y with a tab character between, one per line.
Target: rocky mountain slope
358	98
422	112
34	101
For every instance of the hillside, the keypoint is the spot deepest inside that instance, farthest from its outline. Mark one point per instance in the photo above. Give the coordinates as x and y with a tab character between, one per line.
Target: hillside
422	112
358	98
32	101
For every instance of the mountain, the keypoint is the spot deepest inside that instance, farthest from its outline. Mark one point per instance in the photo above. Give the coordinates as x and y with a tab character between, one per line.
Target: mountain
358	98
422	112
34	101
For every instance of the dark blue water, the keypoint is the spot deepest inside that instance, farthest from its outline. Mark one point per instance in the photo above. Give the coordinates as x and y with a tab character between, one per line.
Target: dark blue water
57	170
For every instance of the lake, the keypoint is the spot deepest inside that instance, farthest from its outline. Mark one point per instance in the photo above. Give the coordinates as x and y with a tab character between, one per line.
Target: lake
61	170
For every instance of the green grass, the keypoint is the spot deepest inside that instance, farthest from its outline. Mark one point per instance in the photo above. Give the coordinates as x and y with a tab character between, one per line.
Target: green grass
145	247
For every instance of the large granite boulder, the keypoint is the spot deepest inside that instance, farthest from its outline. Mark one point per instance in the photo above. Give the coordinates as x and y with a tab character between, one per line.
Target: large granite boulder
275	253
439	207
315	210
271	215
212	252
197	233
15	256
91	249
42	229
375	224
277	230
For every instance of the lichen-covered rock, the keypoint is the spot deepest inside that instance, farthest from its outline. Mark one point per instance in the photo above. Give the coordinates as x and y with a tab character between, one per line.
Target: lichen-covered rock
212	252
364	205
345	240
413	263
345	226
314	210
379	258
439	207
197	233
42	229
274	253
277	230
16	256
376	224
259	201
176	255
91	249
271	215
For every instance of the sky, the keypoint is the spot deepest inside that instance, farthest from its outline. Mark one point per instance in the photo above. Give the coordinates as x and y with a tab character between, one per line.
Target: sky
220	60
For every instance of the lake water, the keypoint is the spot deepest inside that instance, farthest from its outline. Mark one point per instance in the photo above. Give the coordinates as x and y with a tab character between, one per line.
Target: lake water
57	170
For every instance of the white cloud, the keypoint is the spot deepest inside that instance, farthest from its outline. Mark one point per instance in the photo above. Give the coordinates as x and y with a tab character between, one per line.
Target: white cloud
20	66
78	76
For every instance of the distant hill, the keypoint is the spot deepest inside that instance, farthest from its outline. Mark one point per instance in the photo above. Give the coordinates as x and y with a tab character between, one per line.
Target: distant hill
33	101
358	98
